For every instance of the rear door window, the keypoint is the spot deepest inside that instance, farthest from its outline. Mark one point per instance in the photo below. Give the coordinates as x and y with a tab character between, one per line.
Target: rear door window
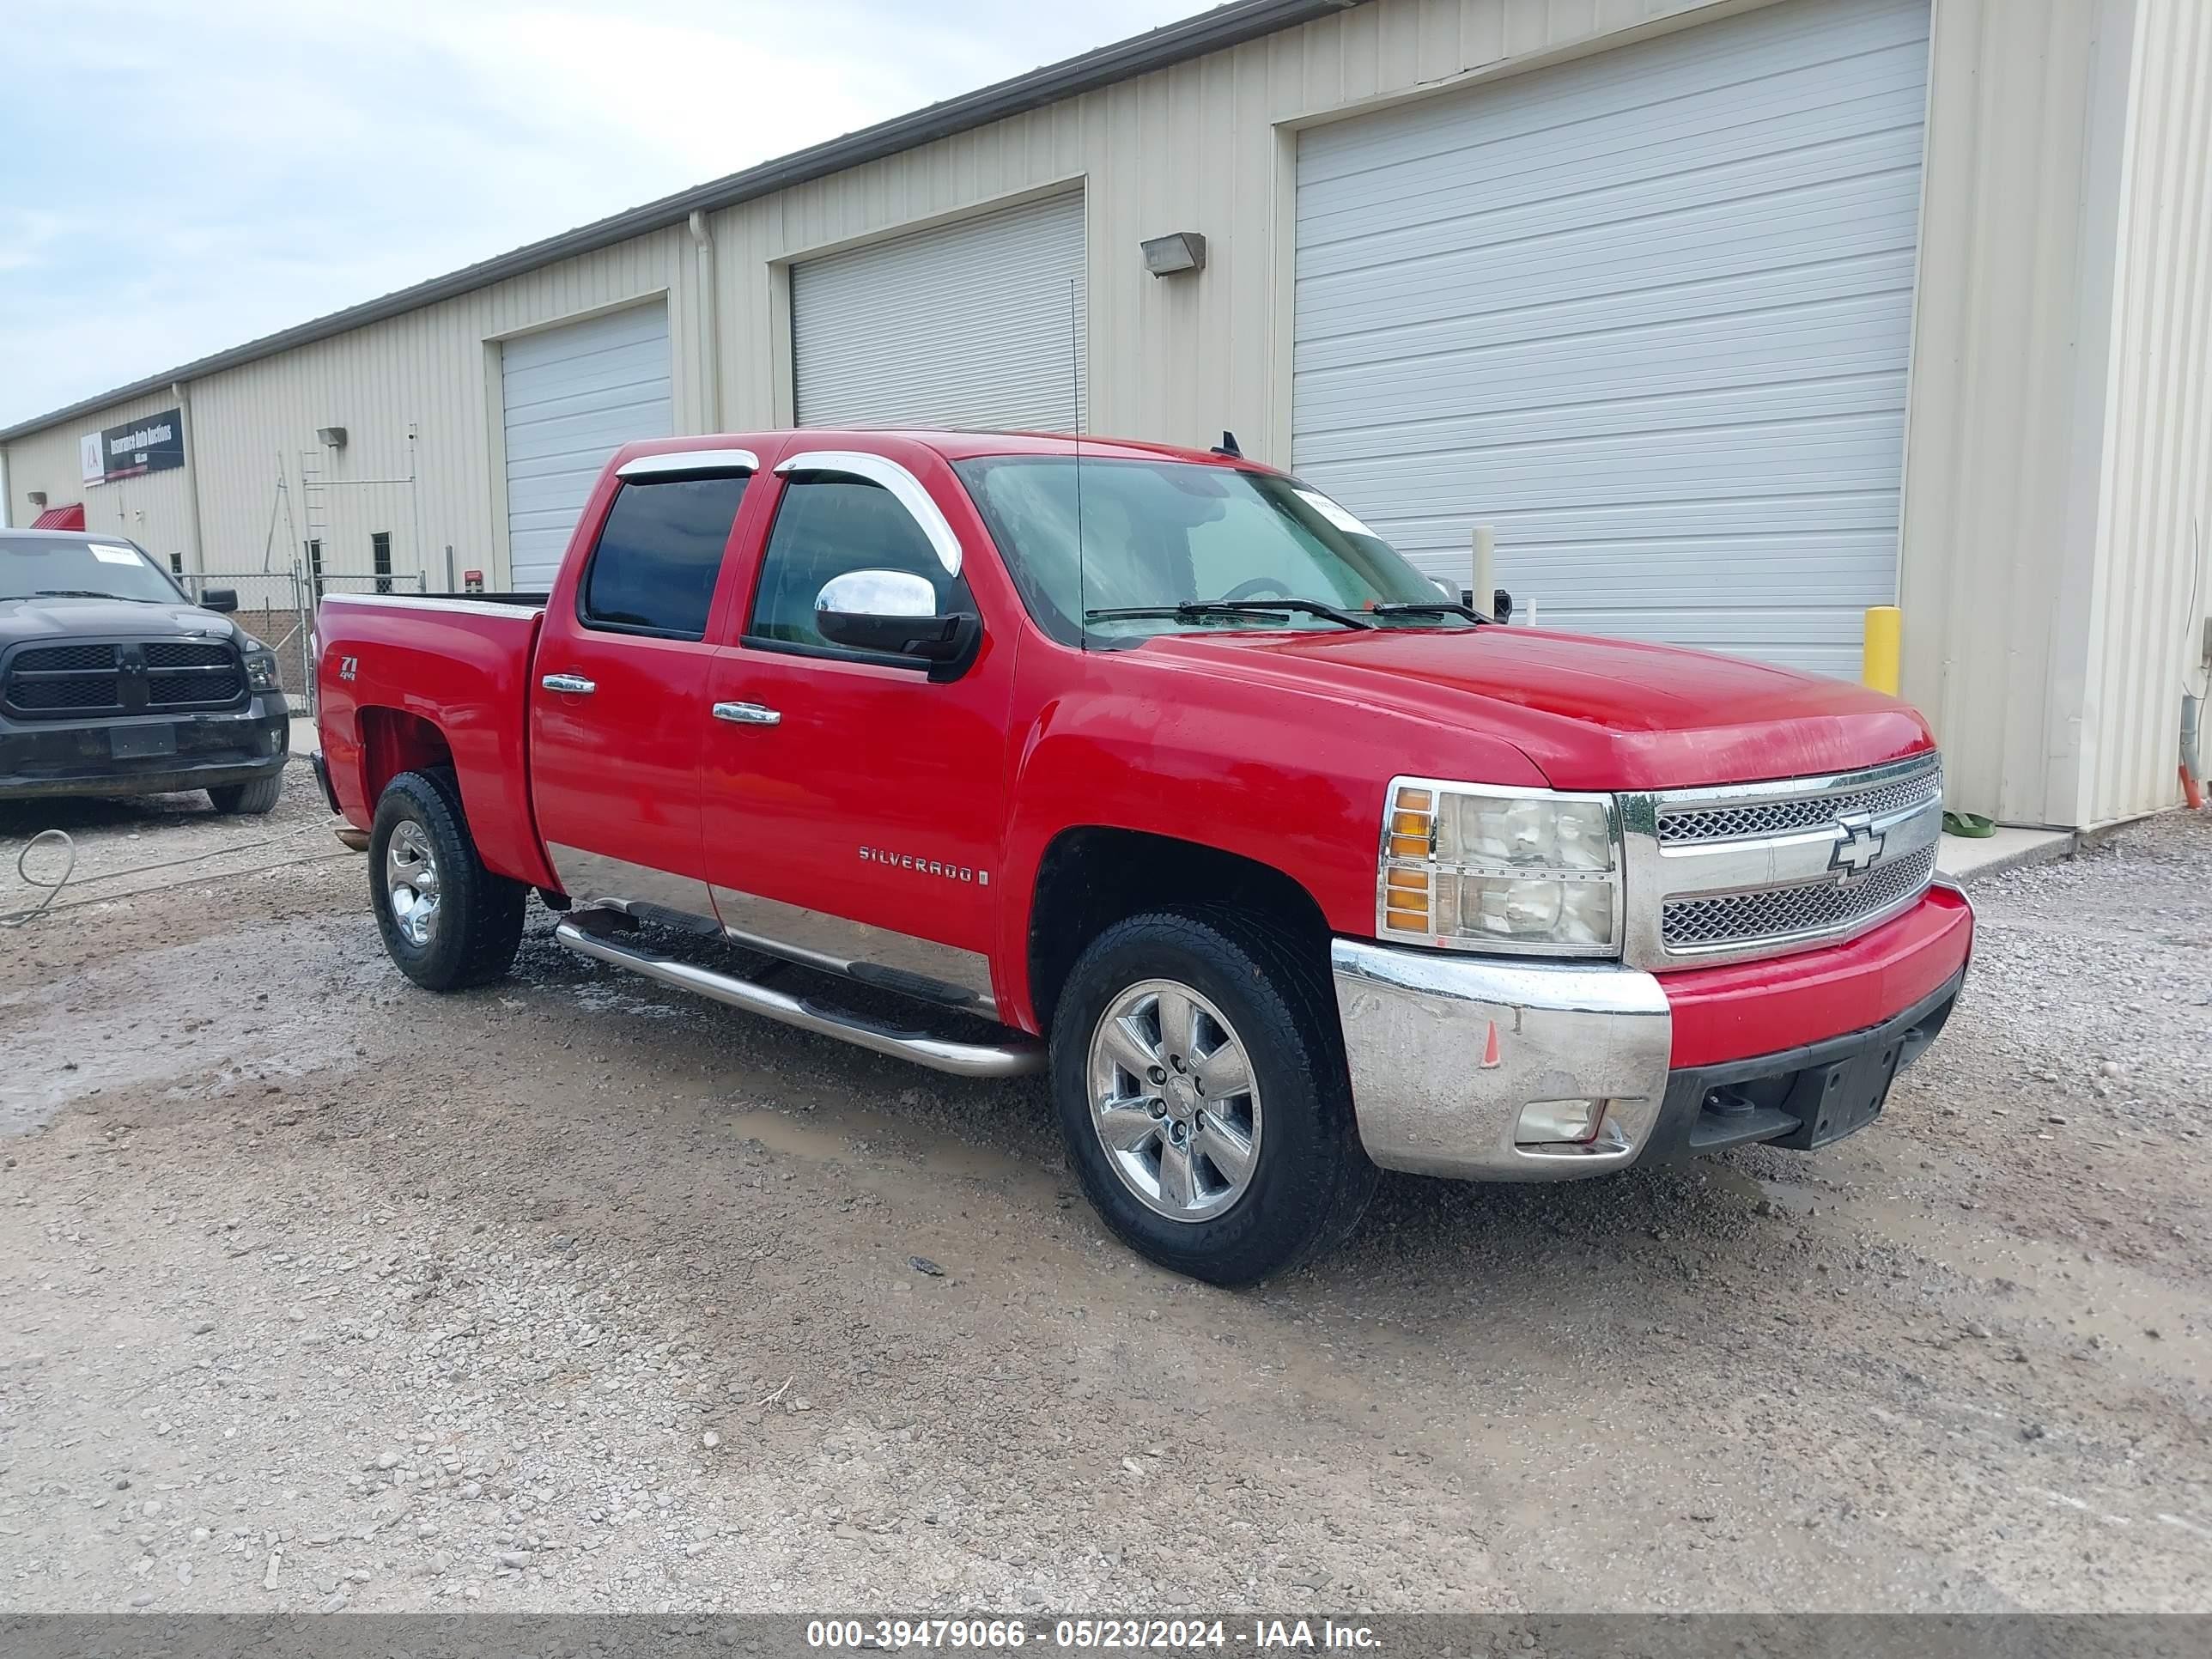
659	554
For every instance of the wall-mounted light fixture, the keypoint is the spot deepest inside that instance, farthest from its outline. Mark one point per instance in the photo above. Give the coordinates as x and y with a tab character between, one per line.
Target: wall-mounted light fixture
331	437
38	498
1184	249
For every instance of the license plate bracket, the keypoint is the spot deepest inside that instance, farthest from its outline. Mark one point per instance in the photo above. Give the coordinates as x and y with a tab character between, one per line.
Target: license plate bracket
1841	1098
140	742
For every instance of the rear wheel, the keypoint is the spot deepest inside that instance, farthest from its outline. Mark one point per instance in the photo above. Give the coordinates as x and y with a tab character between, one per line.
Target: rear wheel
259	796
446	920
1201	1087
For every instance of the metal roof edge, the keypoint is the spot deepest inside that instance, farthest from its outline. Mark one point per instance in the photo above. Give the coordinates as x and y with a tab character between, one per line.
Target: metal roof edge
1175	43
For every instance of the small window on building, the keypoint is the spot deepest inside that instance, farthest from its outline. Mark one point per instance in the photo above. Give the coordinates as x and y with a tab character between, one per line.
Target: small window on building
657	555
315	566
379	555
176	564
825	526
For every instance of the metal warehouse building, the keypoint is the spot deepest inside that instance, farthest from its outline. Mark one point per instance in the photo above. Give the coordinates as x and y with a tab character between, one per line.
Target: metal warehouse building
1733	318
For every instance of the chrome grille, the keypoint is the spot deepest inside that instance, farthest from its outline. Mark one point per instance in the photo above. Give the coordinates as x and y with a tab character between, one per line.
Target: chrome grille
1678	825
1783	913
1721	873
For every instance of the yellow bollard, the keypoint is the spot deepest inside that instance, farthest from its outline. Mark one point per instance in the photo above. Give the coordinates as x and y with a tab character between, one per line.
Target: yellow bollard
1885	637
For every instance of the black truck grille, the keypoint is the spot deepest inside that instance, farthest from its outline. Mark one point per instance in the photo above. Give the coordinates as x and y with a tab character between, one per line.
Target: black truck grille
59	658
121	677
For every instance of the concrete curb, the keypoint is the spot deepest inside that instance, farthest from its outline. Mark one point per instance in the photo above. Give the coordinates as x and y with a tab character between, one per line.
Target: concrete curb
2058	845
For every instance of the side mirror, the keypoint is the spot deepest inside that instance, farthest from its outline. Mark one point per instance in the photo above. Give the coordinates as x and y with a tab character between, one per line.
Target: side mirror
894	612
218	598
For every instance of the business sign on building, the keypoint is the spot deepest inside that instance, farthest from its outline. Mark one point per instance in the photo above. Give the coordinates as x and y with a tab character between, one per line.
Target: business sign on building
154	444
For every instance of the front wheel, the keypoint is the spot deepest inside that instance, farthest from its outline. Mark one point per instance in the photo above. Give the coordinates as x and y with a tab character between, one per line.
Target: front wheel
252	798
1202	1088
446	920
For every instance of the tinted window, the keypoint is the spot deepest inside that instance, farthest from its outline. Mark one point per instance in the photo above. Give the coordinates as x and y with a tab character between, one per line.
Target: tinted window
1094	536
87	565
659	554
825	526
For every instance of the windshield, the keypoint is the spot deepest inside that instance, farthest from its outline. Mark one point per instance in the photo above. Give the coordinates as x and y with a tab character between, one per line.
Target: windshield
1157	535
31	566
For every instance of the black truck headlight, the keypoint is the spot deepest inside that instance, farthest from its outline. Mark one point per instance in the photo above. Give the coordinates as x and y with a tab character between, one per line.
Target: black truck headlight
261	670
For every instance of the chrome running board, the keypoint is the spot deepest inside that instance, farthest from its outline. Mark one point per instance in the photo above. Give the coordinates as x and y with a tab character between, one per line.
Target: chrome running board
1016	1055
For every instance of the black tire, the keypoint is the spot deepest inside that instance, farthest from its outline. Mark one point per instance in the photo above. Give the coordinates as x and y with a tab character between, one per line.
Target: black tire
479	917
1312	1180
258	797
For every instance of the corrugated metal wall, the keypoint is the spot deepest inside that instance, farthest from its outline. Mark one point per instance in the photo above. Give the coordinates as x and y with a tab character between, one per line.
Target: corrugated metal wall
2048	682
2027	103
1192	147
2148	594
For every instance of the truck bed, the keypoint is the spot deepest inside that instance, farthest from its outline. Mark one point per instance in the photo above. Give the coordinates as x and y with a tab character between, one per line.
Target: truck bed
408	681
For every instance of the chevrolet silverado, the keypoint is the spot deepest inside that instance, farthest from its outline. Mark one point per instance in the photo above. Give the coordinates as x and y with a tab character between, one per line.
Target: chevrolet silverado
1158	772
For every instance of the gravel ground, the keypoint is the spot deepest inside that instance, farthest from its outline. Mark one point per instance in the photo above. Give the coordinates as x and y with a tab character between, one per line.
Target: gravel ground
318	1291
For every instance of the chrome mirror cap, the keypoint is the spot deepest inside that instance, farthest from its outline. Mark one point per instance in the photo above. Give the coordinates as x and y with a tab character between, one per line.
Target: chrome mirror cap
877	593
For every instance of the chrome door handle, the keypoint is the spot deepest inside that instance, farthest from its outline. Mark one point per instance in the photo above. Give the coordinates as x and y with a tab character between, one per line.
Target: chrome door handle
747	713
575	684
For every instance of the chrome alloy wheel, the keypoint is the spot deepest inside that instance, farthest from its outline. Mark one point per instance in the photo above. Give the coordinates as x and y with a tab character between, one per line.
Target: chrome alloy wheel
1173	1100
411	882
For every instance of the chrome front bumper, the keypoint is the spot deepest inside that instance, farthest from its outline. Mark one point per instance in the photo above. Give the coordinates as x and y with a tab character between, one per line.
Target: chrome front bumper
1446	1051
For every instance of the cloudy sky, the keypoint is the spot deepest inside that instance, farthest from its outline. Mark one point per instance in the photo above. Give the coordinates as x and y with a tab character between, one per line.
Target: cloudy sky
175	179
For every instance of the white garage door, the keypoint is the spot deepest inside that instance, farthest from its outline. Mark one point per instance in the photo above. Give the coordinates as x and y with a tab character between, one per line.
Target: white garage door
978	324
1648	313
572	395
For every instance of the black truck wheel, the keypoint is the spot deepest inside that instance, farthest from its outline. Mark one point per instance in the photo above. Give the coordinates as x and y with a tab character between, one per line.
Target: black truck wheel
446	920
255	798
1200	1076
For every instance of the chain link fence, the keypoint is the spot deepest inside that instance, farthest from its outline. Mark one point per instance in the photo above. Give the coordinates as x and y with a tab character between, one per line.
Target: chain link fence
277	607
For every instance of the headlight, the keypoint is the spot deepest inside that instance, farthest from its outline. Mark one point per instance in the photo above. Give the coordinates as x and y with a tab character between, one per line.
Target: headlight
1476	869
261	670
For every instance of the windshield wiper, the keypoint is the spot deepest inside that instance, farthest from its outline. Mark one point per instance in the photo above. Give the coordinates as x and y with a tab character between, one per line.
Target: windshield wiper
1199	609
82	594
1424	608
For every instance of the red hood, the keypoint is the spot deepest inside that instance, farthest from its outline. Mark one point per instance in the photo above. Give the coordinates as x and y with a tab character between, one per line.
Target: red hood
1594	714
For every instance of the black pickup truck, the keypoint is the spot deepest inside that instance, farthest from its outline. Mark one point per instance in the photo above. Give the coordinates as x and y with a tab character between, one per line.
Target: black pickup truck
113	683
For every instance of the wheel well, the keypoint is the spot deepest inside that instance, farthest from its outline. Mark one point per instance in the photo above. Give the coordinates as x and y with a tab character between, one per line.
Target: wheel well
1093	877
394	741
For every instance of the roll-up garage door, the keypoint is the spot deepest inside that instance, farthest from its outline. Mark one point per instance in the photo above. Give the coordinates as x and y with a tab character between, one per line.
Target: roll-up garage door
1647	313
572	395
976	323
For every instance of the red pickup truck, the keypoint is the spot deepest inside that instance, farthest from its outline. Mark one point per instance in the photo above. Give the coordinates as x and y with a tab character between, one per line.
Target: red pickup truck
1159	772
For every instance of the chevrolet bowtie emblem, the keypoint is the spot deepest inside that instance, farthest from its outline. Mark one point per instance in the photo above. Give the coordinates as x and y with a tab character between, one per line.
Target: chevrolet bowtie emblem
1857	850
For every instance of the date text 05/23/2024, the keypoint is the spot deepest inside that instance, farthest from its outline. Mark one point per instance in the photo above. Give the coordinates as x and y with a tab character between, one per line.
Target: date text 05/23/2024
998	1635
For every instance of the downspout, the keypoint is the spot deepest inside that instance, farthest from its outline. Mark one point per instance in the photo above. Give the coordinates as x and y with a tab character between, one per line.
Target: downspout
182	391
710	342
7	500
